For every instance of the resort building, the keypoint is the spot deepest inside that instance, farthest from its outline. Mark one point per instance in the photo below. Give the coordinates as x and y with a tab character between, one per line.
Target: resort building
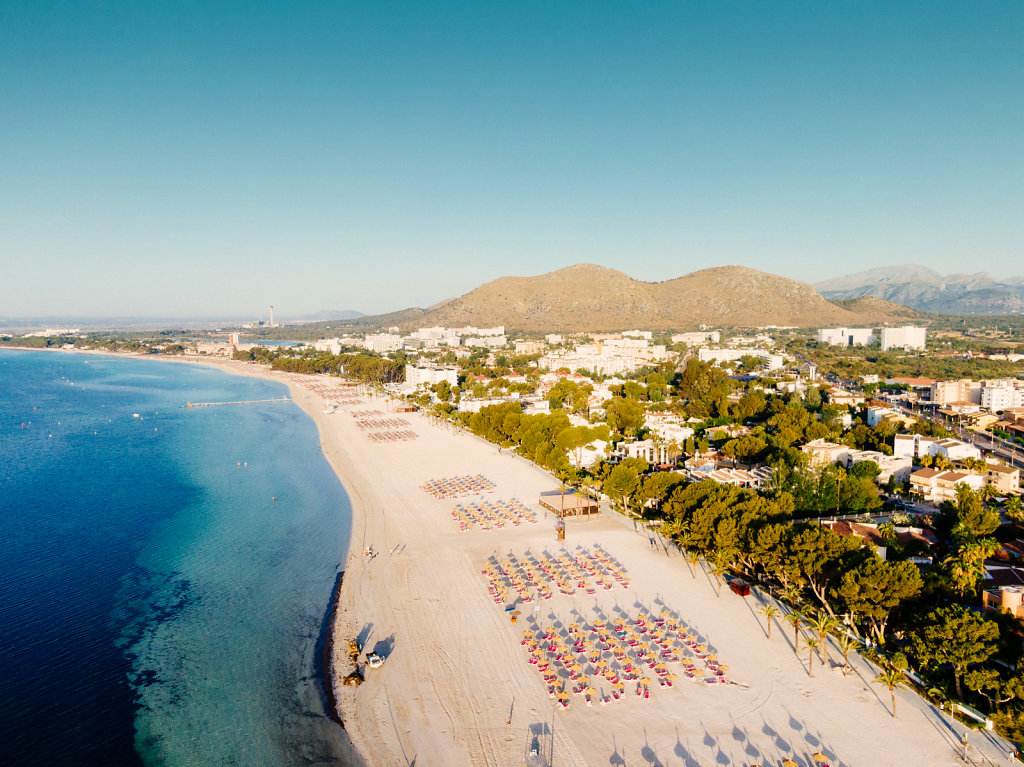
823	453
382	343
428	375
530	347
846	336
698	338
718	356
915	445
1002	395
907	338
964	390
935	485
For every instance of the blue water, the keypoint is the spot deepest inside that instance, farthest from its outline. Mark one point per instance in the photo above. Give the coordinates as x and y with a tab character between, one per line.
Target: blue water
157	605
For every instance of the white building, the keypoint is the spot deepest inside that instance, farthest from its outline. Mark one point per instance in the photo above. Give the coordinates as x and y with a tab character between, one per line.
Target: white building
485	342
822	453
381	343
330	345
428	375
846	336
608	357
1000	395
645	334
698	338
530	347
718	356
914	446
905	338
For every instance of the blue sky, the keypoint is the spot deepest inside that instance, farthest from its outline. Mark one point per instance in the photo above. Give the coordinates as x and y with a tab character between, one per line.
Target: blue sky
212	158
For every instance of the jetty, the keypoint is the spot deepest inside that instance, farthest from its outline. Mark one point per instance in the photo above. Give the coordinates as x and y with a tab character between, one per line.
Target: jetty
241	402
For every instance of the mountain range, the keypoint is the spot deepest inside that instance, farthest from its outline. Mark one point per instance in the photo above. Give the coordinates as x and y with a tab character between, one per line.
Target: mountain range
922	288
588	297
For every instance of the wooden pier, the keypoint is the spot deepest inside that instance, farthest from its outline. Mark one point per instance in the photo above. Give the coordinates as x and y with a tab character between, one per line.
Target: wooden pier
242	402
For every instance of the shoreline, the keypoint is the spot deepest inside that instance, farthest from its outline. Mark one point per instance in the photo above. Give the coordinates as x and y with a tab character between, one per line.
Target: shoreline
456	688
326	663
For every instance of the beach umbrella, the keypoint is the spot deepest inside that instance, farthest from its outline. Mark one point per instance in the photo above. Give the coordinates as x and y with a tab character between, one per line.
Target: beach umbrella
711	656
723	668
590	692
671	677
644	681
789	763
819	757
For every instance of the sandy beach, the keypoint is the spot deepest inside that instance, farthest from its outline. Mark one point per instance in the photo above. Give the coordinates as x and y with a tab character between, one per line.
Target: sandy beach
457	688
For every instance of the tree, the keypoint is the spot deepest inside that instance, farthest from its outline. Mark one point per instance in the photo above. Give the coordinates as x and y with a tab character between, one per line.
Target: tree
623	481
824	624
623	415
1014	508
813	643
873	588
720	563
955	636
970	518
846	643
795	619
966	566
994	687
820	554
891	678
770	613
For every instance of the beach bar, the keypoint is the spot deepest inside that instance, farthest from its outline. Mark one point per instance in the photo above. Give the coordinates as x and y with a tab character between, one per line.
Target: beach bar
568	505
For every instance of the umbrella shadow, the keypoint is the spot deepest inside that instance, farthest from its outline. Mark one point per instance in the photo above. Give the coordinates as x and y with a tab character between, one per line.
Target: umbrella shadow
680	750
648	754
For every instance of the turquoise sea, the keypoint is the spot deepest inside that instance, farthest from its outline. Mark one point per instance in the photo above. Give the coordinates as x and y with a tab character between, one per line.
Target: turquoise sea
157	605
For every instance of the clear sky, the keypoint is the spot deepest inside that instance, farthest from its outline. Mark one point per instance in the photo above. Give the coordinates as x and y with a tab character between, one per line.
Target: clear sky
211	158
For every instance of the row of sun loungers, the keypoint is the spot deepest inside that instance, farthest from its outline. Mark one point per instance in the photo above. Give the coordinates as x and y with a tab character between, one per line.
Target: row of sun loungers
391	436
489	515
332	394
601	660
456	487
545	575
382	423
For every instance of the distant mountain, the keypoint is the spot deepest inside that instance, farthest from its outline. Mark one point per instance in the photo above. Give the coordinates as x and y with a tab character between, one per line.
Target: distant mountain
587	297
922	288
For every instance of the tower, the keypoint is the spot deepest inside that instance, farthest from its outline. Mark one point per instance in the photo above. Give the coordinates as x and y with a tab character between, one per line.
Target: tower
271	316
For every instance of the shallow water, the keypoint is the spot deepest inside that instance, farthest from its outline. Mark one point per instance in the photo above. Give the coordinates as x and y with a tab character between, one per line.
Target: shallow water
157	606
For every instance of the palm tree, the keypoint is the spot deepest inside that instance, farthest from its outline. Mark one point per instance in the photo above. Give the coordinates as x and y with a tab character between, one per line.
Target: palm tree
845	642
793	594
891	678
770	613
1014	509
795	618
813	643
824	624
720	562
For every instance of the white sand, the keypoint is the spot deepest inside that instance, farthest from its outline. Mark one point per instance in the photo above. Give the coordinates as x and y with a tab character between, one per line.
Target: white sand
456	668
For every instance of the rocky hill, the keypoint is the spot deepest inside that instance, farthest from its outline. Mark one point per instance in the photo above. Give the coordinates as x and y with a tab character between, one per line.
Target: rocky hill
922	288
587	297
